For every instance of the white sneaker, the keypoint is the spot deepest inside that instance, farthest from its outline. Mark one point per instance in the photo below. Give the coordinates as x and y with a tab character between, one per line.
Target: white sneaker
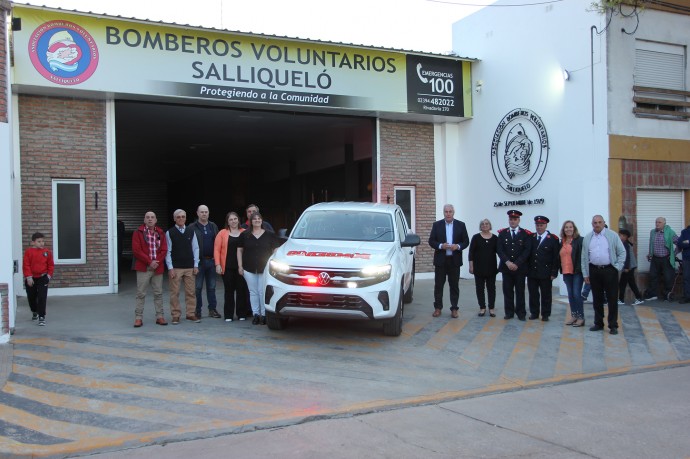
621	303
243	318
42	321
228	320
636	302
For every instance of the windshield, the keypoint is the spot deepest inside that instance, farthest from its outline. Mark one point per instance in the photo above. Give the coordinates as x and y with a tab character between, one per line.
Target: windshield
345	226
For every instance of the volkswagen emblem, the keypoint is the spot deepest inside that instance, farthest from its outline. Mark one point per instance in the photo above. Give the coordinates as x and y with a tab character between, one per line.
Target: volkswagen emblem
324	278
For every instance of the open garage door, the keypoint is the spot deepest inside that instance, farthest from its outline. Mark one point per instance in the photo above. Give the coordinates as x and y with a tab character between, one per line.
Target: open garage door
179	156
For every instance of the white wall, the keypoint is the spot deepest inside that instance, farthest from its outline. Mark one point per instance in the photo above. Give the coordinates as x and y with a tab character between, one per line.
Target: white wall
522	52
654	26
6	269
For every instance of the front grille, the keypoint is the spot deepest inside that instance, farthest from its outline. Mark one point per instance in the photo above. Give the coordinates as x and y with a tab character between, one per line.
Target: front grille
324	301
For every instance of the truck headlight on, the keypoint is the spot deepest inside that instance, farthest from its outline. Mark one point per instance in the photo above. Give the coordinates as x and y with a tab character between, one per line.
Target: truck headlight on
382	272
278	267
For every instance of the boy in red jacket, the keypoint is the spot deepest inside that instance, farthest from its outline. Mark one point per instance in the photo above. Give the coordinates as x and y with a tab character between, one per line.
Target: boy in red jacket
38	270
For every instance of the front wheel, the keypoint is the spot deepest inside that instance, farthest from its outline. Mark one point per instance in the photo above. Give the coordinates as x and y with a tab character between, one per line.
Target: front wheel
410	291
274	322
393	327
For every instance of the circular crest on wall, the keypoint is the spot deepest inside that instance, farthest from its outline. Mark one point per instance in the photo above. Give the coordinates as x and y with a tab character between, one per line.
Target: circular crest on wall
63	52
519	151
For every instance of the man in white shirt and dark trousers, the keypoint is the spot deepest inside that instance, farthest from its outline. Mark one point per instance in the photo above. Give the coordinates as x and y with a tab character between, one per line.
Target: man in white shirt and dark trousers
603	258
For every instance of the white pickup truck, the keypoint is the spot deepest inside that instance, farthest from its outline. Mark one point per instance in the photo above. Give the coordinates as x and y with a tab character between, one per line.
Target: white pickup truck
353	260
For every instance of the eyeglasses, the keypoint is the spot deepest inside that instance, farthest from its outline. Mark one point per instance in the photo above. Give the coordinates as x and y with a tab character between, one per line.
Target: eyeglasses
181	216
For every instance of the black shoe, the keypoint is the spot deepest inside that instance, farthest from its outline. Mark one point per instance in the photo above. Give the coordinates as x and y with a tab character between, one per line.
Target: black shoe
507	317
214	313
256	320
614	331
482	313
521	318
263	320
41	321
34	316
596	328
544	318
533	317
491	314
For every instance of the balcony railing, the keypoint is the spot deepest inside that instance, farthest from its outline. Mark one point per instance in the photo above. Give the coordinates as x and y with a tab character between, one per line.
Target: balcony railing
661	103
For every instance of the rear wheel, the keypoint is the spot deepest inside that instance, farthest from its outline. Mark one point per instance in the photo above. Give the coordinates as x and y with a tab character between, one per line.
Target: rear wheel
393	327
274	322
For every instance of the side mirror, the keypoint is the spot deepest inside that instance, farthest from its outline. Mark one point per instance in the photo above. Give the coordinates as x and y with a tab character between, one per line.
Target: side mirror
411	240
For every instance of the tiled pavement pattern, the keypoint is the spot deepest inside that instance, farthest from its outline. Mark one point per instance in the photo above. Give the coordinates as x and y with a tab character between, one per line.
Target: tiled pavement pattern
69	393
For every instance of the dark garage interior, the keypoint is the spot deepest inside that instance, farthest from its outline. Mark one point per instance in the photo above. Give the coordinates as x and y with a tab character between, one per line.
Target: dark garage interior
171	156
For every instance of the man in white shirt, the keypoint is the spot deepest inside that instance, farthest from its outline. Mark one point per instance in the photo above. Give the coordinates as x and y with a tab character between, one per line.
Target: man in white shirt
603	258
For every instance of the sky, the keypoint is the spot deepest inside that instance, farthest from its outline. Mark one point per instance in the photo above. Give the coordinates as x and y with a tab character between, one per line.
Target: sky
416	25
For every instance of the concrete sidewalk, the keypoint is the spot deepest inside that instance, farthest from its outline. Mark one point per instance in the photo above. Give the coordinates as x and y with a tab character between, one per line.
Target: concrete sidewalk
644	415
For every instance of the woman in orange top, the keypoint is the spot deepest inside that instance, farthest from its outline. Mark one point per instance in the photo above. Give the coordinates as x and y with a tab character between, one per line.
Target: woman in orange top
571	251
225	256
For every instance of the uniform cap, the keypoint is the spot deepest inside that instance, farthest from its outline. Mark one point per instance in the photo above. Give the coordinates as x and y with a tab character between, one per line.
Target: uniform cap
514	213
541	219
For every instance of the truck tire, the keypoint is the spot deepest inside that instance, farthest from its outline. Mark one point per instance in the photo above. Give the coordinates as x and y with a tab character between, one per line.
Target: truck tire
393	327
274	322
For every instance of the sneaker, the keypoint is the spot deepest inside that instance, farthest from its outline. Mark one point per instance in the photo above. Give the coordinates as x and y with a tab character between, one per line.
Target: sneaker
243	318
41	321
621	303
651	298
34	316
213	313
638	301
229	320
176	321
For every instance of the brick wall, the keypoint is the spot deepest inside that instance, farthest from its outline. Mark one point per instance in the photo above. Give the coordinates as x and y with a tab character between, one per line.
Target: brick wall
407	159
4	96
65	138
649	175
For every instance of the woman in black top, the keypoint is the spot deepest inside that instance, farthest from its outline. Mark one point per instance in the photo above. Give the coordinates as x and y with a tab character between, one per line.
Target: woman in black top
254	248
482	258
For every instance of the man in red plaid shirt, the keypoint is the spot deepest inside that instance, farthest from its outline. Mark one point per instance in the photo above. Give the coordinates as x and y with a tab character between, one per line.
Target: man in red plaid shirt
149	247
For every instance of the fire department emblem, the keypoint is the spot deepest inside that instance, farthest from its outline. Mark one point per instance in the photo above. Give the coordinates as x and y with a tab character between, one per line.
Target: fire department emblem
63	52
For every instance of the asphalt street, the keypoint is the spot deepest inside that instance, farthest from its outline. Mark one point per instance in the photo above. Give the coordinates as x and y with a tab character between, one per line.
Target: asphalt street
90	383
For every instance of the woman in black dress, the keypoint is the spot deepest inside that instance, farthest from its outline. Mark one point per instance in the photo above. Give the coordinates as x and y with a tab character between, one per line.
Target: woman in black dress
482	257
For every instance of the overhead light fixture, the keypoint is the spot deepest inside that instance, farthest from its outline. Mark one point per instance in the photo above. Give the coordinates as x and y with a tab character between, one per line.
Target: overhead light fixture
566	75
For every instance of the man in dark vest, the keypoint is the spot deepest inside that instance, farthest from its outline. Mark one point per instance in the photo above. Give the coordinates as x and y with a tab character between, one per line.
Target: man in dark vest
206	232
183	265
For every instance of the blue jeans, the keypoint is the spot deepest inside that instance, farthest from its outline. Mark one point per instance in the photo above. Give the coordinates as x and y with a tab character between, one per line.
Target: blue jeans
573	282
207	271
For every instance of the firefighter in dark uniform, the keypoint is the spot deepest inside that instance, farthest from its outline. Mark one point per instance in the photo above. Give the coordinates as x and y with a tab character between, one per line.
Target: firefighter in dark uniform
514	245
544	262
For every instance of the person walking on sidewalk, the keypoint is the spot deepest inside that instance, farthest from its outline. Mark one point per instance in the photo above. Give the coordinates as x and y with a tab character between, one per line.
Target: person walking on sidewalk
182	261
206	232
38	268
149	247
628	274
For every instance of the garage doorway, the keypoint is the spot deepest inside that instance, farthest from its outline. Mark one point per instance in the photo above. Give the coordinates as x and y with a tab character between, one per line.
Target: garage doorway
171	156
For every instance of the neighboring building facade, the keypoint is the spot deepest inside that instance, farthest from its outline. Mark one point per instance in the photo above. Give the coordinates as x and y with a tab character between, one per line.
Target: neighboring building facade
608	145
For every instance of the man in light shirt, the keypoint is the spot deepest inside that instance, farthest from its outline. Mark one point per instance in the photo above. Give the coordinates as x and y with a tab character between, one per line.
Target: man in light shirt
182	260
603	258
